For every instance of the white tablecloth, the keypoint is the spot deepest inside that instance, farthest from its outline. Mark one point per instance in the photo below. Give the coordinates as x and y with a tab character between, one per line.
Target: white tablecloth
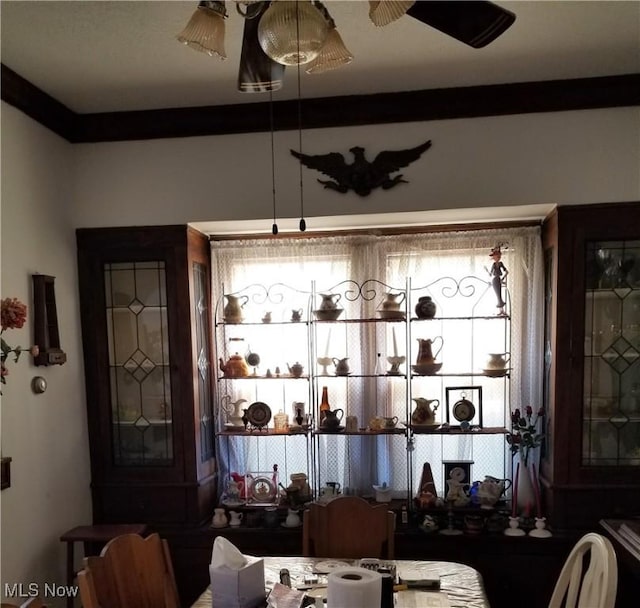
462	584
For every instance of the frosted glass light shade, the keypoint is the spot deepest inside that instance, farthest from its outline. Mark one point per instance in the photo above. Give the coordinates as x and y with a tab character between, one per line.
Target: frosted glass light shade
333	54
205	30
383	12
279	27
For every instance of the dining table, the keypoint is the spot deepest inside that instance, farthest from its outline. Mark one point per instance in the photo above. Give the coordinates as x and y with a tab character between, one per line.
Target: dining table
461	586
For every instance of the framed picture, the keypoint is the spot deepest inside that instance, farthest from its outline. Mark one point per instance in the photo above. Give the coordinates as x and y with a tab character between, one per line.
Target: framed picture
458	471
464	406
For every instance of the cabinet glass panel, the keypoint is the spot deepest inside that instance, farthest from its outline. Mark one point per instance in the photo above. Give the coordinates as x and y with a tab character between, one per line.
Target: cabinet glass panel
139	363
611	429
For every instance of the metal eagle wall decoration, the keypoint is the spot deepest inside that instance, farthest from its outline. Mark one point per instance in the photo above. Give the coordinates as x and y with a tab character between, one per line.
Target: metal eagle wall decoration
362	176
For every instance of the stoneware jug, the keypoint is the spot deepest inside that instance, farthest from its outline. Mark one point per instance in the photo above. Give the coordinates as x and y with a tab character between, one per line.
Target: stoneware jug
233	410
425	352
233	309
392	301
342	366
328	302
293	519
497	361
390	422
219	518
236	518
331	488
491	489
424	413
332	420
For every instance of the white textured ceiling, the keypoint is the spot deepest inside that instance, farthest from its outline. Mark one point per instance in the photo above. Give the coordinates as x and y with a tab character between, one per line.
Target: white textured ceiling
111	56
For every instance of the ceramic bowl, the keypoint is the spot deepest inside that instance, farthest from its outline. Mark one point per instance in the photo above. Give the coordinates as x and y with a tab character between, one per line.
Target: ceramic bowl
426	369
330	314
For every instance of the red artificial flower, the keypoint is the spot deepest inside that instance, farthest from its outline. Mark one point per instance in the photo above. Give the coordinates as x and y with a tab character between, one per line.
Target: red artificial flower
14	313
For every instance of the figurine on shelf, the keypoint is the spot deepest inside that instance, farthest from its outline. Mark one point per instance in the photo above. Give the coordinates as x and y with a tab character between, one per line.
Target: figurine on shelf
498	274
457	495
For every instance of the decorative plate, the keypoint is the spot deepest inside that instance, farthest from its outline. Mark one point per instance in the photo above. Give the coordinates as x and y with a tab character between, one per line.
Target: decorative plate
262	489
259	414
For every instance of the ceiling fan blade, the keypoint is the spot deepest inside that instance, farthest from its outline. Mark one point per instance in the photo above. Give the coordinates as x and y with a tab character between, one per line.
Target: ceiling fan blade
476	23
257	72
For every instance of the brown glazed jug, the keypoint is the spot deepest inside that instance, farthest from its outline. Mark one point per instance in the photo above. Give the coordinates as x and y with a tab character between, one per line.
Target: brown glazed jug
425	352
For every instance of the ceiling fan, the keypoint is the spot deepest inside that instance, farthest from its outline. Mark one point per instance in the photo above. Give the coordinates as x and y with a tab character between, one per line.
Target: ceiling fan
302	32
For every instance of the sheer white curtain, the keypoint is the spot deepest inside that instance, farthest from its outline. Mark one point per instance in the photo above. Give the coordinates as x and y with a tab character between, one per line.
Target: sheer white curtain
431	261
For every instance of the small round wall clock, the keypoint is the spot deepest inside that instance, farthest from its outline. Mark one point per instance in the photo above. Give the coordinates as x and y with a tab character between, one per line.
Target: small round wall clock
463	410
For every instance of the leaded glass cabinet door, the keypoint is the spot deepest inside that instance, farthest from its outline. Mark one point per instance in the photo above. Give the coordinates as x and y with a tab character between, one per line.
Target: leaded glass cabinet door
139	360
611	414
145	306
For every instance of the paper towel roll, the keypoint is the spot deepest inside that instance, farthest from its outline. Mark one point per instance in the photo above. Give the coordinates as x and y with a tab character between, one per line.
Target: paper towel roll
354	588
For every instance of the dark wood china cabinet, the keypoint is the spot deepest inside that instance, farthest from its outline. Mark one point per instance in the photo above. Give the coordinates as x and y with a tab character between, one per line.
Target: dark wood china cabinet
145	307
590	465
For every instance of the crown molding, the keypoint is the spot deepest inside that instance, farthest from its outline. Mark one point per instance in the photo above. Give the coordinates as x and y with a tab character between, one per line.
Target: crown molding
323	112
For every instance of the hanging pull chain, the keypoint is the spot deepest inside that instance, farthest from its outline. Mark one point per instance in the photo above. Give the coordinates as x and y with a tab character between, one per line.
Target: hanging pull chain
303	224
274	227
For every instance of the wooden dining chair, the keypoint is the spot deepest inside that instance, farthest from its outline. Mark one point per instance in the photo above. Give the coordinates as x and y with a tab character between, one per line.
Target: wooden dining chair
594	587
348	527
130	572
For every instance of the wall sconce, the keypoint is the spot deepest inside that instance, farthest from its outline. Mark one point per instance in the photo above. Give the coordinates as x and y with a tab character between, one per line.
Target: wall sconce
45	322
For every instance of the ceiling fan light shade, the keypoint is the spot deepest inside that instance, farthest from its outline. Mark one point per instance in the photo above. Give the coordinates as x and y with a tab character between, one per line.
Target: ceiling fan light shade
280	26
383	12
334	54
205	30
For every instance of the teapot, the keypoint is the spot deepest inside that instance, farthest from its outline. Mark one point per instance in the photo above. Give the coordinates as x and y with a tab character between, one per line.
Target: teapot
232	312
425	353
342	366
295	370
235	367
490	490
233	410
331	420
424	414
392	301
327	301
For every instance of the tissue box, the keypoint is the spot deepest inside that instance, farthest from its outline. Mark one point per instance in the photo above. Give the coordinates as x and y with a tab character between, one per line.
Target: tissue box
242	588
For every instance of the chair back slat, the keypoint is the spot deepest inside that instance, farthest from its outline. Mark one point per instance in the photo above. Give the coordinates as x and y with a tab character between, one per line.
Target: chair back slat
131	572
348	527
594	587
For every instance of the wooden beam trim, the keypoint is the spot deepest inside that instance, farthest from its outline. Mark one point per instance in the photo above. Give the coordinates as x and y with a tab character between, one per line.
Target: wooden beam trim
326	112
49	112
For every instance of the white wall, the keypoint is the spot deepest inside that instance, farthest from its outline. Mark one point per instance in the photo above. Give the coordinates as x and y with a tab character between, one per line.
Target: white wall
49	188
562	157
44	434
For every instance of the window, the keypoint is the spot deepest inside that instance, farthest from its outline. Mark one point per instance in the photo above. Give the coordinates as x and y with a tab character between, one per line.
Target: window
445	262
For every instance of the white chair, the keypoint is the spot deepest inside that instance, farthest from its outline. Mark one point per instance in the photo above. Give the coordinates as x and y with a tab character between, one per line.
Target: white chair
595	588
